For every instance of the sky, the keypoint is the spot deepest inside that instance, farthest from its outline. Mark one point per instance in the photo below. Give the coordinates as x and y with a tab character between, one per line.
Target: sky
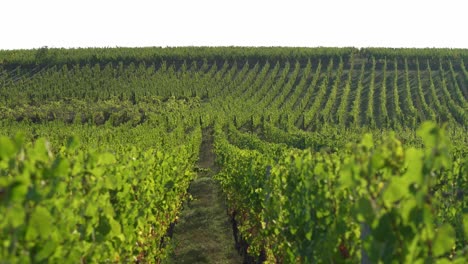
26	24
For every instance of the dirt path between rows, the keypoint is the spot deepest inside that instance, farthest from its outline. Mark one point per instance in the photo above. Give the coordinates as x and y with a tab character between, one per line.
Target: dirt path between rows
203	233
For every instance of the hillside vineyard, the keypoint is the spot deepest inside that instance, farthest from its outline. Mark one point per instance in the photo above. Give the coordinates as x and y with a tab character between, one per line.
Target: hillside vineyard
331	155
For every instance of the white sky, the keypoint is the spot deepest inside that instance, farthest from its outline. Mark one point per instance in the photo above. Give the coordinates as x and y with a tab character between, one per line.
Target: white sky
137	23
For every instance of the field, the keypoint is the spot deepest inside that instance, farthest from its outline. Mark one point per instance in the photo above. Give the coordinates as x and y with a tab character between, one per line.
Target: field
332	155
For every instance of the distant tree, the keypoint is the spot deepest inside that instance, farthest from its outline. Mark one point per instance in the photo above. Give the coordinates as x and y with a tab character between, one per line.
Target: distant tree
42	55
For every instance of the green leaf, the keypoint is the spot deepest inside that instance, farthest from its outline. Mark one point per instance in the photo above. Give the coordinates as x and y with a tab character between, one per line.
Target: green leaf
458	261
16	215
465	224
293	230
18	191
367	141
98	171
413	249
319	169
415	165
115	227
91	210
366	212
444	261
396	190
428	132
169	185
104	226
444	240
346	177
19	140
40	223
40	150
60	167
46	250
106	159
73	143
406	209
111	183
7	148
381	232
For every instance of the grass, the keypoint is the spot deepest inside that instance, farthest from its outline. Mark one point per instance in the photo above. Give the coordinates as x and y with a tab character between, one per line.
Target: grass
203	233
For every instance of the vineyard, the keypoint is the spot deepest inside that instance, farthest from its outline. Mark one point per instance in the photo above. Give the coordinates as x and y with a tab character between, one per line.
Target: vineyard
329	155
